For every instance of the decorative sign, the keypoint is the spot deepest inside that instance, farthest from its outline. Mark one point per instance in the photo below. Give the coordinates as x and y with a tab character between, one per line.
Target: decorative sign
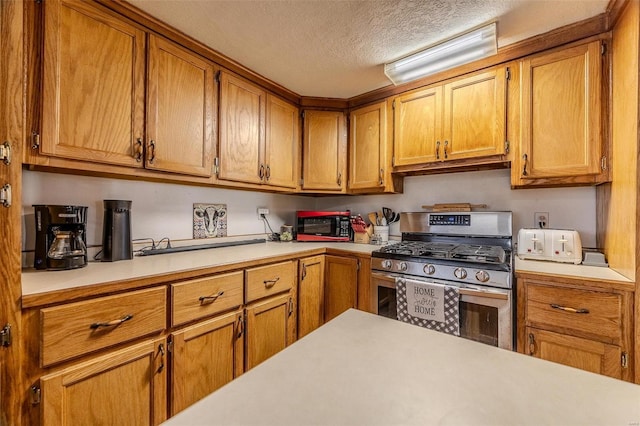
209	220
425	301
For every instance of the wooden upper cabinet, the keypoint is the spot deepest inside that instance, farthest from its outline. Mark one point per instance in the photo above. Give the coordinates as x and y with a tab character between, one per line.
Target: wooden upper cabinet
241	132
462	119
369	164
475	116
324	151
417	127
560	116
282	144
93	85
180	110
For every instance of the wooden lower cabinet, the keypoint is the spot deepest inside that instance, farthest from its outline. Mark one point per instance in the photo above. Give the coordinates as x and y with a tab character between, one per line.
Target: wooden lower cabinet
341	285
310	294
577	322
127	386
270	327
204	357
585	354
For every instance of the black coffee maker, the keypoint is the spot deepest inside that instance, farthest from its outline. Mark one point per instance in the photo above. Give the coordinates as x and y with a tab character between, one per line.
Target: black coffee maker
61	239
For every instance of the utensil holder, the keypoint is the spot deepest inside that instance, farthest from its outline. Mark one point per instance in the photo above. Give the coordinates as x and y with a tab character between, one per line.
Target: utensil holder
382	233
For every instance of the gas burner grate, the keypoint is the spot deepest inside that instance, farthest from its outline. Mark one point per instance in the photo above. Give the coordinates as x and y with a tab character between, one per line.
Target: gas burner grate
439	250
479	254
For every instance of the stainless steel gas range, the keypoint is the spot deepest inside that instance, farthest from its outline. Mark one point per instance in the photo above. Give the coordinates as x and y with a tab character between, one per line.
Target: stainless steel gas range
471	251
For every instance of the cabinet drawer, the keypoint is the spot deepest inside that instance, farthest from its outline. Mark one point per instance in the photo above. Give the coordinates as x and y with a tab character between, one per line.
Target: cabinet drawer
271	279
203	297
598	314
74	329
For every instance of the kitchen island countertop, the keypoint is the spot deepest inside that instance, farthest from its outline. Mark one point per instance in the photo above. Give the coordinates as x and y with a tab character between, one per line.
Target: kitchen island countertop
362	369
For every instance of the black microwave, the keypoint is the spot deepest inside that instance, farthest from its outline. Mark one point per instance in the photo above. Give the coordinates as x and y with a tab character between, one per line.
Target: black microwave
323	226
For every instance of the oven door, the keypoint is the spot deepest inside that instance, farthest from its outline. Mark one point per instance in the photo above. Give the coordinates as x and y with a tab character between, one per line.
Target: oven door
486	314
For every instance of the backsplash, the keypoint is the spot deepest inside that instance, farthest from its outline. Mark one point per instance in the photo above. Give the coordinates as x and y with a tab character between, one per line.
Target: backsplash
166	210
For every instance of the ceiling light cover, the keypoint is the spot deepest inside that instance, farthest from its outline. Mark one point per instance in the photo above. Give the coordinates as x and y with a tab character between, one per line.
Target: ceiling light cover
462	49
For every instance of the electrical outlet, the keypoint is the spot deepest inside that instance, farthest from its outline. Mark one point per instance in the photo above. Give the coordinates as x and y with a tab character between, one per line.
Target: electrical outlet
262	211
541	220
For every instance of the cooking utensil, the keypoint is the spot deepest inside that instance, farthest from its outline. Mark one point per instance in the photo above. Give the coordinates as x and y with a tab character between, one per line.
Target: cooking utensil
372	218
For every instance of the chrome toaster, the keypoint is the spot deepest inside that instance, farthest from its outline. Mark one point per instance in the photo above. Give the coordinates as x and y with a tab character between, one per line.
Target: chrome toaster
556	245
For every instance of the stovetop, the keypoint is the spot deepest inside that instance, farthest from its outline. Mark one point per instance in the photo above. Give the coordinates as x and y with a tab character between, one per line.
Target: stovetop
470	253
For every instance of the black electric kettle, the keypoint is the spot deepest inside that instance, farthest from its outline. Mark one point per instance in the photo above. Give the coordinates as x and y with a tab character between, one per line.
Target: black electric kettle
116	231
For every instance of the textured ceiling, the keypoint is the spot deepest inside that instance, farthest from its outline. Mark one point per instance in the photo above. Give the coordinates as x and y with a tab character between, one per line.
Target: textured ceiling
337	48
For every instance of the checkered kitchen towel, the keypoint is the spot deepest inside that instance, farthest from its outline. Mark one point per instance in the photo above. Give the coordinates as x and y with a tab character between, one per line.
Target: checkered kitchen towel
428	305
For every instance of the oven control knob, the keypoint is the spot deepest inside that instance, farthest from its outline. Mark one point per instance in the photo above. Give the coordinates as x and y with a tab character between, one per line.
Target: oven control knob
403	266
387	264
482	276
460	273
429	269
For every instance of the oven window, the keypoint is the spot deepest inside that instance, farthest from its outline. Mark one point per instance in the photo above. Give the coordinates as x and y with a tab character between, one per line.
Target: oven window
479	323
318	226
387	302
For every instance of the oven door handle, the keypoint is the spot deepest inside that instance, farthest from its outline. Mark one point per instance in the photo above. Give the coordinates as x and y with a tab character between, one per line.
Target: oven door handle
484	293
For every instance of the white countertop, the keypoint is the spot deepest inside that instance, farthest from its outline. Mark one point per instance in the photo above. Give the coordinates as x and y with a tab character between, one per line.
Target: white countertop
569	269
36	282
362	369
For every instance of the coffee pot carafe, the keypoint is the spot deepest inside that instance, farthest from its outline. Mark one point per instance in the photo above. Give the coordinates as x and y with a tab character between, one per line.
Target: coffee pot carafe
60	237
116	231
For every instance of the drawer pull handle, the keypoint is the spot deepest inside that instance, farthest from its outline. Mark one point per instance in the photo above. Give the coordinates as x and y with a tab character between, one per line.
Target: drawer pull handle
210	299
271	283
97	325
532	344
567	309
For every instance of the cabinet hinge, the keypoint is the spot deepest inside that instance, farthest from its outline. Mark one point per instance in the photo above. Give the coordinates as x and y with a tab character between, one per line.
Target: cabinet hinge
393	161
301	181
5	153
506	147
35	395
5	336
603	48
35	140
624	360
508	73
218	76
302	114
603	163
5	195
216	166
393	104
358	265
170	344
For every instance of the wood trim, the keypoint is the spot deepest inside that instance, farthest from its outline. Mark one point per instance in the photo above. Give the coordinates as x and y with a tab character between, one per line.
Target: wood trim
12	379
614	11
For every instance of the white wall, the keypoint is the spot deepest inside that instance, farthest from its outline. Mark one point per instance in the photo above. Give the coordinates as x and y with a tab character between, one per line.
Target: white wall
158	209
573	208
165	210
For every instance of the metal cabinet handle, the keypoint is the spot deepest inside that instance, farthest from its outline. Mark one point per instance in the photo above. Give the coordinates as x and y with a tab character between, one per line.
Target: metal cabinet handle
437	150
112	323
210	299
525	158
268	172
161	353
261	172
532	344
138	150
290	306
446	143
152	151
304	272
339	181
568	309
381	177
240	326
271	283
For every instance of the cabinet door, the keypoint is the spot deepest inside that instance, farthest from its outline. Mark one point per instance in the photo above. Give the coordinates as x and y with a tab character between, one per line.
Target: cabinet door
205	357
418	127
241	133
475	116
589	355
561	113
341	285
282	144
324	151
180	110
269	328
367	147
93	97
125	387
310	295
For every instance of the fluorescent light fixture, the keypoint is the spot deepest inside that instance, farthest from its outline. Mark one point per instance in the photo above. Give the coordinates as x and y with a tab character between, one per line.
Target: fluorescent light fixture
468	47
